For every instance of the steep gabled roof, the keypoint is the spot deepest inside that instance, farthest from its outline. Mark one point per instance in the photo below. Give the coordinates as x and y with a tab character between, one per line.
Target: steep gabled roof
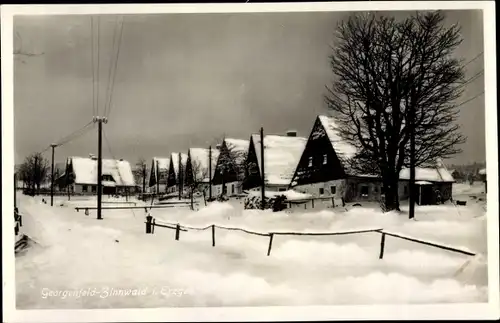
85	170
200	157
175	161
238	145
343	149
163	165
281	156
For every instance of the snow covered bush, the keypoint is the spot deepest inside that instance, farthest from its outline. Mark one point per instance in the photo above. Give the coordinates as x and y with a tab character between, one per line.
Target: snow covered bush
276	203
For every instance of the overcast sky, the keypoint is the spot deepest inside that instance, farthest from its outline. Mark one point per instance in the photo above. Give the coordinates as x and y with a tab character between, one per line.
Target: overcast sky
185	80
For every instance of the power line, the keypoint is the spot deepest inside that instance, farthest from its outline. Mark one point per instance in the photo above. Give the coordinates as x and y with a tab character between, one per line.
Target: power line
115	68
472	79
474	97
93	65
98	60
472	60
77	135
110	66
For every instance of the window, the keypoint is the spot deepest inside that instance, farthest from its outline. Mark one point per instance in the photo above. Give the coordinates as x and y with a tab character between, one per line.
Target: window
224	189
281	189
94	189
325	159
84	188
406	189
364	190
310	161
375	189
333	189
321	191
232	188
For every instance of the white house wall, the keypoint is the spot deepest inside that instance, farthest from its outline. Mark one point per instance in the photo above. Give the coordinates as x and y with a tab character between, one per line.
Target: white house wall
314	188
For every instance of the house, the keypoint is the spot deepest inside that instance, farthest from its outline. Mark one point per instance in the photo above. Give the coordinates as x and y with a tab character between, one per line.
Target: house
230	169
281	156
200	167
324	170
433	184
81	176
158	175
175	176
323	167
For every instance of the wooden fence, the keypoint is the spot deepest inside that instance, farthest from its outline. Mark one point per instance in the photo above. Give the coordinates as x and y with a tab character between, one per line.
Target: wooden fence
151	223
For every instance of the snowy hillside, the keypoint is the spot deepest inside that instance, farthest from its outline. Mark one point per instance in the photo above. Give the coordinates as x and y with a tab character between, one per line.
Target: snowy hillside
75	251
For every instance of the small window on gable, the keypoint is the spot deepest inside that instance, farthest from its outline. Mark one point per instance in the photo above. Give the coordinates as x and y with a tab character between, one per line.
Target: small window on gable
321	191
333	189
364	190
310	161
325	159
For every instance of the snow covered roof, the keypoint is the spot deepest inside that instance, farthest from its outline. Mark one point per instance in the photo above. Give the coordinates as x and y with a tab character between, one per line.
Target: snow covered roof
342	148
200	156
282	154
85	170
163	162
432	174
240	146
482	171
175	160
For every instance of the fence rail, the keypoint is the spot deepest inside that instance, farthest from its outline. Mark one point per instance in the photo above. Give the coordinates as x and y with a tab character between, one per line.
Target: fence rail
151	223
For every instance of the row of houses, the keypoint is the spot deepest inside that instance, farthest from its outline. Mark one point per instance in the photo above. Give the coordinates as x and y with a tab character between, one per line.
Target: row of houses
317	165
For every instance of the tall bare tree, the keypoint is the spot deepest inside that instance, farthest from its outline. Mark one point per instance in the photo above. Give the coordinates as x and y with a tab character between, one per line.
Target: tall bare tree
34	171
388	73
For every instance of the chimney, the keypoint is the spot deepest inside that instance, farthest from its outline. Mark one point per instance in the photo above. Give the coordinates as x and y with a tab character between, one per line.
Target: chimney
121	159
291	133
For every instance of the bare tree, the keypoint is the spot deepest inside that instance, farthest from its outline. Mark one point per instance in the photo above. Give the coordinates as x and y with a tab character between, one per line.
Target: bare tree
34	171
389	73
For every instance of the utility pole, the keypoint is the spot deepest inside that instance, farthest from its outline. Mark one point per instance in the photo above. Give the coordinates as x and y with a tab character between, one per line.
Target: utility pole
157	177
15	190
53	146
99	121
179	177
143	178
263	182
35	175
412	162
210	172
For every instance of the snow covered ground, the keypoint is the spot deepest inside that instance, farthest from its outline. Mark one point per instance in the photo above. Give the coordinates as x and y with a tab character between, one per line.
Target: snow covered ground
113	257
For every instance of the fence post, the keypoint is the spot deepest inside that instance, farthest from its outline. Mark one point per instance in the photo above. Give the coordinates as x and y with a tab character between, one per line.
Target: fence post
16	228
148	223
177	230
271	235
312	203
153	226
305	206
213	235
382	246
20	220
333	202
